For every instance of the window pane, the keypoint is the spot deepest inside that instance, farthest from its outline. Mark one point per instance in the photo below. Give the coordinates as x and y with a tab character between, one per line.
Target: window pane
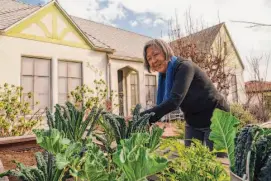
152	80
62	85
62	98
150	89
43	99
27	84
42	85
42	67
27	66
42	92
146	80
62	69
74	69
73	83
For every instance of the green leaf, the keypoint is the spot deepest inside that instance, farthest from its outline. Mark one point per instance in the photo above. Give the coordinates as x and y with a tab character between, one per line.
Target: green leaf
51	140
223	132
61	161
135	160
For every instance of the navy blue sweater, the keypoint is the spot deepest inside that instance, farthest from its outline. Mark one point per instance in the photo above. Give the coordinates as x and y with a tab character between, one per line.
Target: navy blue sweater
194	93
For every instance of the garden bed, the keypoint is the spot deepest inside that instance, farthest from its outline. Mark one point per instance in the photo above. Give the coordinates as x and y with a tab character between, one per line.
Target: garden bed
20	148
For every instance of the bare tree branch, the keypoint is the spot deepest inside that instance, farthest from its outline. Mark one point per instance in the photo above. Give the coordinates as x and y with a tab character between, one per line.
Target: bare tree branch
197	46
256	90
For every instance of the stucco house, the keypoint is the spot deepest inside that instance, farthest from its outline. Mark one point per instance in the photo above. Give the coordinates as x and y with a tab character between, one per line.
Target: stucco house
46	51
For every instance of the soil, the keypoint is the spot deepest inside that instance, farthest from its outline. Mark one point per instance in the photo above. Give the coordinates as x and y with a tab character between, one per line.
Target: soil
25	156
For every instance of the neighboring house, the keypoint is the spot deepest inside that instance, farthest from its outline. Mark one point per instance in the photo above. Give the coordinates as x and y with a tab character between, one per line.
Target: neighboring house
259	92
46	51
216	40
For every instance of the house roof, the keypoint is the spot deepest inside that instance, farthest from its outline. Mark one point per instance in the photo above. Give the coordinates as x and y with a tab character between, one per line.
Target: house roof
125	43
12	11
258	86
205	38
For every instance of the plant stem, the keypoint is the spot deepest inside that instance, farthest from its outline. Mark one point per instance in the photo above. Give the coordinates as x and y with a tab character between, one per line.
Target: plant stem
62	173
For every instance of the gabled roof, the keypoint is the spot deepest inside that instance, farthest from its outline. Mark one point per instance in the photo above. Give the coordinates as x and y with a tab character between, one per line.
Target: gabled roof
125	43
12	12
205	38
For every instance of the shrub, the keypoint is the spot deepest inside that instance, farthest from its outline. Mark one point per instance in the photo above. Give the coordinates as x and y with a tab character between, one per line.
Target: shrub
192	163
16	115
243	115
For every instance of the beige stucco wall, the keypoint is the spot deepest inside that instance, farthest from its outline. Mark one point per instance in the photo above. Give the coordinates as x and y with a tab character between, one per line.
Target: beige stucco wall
11	50
233	63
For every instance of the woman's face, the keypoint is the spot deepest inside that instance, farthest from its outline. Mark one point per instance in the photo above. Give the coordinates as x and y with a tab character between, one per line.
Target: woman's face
156	59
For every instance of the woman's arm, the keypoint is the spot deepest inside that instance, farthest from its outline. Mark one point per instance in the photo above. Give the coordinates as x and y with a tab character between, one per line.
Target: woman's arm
181	84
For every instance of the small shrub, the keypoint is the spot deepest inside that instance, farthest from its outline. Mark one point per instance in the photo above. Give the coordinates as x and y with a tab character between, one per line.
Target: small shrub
16	115
243	115
194	163
84	95
180	128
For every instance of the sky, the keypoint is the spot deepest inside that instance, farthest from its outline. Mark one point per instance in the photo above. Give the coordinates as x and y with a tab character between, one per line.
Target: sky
150	18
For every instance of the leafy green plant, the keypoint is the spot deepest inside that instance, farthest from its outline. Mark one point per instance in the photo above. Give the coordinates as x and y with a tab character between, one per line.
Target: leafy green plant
253	148
45	170
17	117
70	120
84	161
180	124
123	130
96	166
52	140
135	156
194	163
249	149
223	132
243	115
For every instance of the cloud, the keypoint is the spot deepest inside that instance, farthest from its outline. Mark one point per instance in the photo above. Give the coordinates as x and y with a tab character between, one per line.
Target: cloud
133	23
212	11
158	22
94	10
147	21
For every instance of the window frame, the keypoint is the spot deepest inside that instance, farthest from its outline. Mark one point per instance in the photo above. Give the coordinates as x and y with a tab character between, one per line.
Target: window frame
147	86
50	93
58	76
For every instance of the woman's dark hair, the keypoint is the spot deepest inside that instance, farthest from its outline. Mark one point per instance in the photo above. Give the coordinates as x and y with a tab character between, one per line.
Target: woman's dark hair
161	44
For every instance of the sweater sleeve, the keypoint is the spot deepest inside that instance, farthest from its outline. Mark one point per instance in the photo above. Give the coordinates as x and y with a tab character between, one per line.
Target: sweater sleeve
182	81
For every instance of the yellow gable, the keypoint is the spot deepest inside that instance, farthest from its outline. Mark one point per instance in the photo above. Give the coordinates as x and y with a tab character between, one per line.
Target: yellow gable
49	25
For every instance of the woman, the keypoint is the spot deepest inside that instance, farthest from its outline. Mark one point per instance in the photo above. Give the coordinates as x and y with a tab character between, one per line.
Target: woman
182	84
